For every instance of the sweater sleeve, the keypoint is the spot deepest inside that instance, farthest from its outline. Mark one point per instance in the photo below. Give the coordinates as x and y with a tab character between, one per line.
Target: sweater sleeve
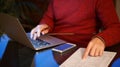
107	15
48	17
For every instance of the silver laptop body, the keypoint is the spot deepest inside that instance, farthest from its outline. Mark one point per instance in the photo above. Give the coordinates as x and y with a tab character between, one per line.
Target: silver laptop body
13	28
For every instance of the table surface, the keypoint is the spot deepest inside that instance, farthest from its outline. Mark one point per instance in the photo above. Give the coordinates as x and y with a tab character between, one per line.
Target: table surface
17	55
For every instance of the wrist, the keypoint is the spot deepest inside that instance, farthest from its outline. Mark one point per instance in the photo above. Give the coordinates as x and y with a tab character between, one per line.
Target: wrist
99	38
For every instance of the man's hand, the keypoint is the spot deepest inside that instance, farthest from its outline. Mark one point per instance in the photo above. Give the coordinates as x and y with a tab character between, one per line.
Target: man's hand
95	48
38	30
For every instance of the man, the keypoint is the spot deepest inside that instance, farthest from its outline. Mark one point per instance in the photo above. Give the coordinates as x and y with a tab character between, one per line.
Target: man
83	18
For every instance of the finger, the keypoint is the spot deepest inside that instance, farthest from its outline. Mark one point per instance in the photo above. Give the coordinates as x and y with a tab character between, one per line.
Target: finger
97	52
45	31
101	52
35	36
32	33
92	52
87	51
38	32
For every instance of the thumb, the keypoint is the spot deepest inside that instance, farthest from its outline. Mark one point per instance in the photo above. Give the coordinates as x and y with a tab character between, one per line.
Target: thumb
45	31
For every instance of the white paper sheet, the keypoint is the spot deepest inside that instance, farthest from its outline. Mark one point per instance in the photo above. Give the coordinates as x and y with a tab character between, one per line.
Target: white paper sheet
75	60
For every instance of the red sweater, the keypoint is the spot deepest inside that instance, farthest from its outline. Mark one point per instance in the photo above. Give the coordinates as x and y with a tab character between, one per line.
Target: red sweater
81	17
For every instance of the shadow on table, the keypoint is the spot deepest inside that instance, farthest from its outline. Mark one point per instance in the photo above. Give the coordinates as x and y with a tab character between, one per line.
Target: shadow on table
17	55
10	56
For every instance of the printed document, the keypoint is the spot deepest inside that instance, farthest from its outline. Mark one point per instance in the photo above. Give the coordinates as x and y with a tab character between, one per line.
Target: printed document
75	60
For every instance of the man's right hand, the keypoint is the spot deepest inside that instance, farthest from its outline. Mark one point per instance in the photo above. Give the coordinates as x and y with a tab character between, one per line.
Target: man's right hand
38	30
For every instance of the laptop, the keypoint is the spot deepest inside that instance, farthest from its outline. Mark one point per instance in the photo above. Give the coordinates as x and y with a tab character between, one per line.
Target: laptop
13	28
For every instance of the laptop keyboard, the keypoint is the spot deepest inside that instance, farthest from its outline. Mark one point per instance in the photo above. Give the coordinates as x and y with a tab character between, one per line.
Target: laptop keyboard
38	42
